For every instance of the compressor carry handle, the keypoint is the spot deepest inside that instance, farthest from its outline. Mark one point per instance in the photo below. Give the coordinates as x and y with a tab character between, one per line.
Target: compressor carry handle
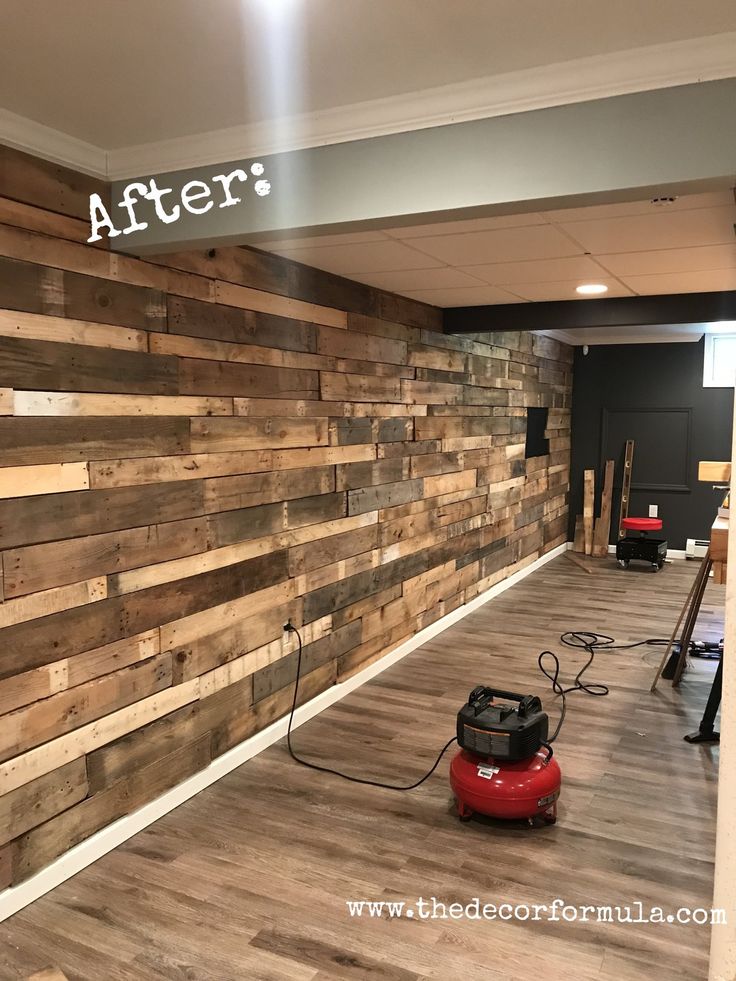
481	697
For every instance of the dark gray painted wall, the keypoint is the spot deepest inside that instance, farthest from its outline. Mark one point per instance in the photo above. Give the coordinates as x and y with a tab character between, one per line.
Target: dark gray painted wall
653	393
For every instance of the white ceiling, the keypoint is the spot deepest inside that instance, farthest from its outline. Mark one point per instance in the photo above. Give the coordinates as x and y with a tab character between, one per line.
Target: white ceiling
121	87
122	72
634	248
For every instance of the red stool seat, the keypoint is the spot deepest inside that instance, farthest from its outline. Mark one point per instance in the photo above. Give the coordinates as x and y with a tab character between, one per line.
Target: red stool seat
642	524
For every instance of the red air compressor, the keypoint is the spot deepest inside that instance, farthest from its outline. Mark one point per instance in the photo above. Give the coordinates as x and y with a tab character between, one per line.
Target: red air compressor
505	767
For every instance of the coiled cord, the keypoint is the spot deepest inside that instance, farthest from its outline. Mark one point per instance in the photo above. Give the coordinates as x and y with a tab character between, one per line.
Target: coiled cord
591	642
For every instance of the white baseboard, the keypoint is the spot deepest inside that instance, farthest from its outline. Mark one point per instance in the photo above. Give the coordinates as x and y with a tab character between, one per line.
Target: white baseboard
17	897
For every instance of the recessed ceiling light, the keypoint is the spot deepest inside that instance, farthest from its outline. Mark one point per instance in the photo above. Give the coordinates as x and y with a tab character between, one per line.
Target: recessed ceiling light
591	289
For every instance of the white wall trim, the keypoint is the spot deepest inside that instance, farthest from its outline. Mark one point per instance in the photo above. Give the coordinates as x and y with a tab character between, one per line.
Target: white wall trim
599	76
596	77
16	898
51	144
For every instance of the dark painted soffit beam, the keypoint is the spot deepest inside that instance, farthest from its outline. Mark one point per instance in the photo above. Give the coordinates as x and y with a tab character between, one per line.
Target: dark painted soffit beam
620	311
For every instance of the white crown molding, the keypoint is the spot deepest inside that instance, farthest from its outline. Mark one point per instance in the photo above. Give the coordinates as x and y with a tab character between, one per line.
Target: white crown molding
620	73
600	76
51	144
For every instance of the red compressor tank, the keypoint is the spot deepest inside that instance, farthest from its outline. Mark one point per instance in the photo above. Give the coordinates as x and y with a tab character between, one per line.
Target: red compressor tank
506	789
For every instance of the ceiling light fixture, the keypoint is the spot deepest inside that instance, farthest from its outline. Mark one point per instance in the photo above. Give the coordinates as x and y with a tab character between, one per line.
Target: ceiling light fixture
591	289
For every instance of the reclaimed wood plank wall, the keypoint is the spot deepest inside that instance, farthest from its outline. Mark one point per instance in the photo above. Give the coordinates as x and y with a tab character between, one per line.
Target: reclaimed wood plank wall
194	450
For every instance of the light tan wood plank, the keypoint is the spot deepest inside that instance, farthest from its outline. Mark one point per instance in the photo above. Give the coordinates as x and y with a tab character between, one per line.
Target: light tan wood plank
7	402
73	745
217	558
588	512
283	306
713	472
43	478
243	433
40	683
86	404
38	327
52	601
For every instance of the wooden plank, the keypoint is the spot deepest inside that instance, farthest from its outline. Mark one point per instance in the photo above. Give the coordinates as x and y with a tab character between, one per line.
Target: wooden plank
247	490
55	292
714	472
213	320
45	250
37	567
50	601
196	466
7	402
40	846
58	367
38	220
87	404
364	388
718	540
360	347
216	558
602	532
54	517
42	799
33	180
626	485
588	509
282	306
74	745
200	377
189	628
38	327
143	747
53	478
30	686
68	710
244	433
65	439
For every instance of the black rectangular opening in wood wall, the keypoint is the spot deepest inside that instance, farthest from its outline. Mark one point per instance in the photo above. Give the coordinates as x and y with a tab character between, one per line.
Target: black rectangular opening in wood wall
536	426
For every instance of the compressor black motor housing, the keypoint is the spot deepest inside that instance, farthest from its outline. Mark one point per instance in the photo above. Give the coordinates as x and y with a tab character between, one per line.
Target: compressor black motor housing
502	731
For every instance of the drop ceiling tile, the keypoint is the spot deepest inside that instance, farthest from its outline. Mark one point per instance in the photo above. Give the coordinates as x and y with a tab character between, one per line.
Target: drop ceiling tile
320	241
349	260
566	290
706	257
464	297
488	223
705	281
683	202
419	279
580	267
663	230
502	245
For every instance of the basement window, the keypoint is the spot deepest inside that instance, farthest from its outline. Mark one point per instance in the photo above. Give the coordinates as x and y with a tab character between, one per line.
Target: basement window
719	367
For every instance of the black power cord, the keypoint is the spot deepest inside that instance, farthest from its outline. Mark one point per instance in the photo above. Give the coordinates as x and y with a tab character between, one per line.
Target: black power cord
591	642
581	639
290	628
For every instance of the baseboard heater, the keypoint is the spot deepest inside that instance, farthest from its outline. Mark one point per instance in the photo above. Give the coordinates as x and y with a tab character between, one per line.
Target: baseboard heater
696	548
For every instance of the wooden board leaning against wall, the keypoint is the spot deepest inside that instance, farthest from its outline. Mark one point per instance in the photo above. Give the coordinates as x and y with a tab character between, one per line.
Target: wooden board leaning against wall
193	450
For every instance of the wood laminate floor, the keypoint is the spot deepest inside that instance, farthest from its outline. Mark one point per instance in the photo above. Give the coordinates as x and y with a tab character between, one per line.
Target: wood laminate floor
250	879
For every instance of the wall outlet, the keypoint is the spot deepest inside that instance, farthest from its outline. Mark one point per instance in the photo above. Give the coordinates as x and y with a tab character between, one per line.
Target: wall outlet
653	510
